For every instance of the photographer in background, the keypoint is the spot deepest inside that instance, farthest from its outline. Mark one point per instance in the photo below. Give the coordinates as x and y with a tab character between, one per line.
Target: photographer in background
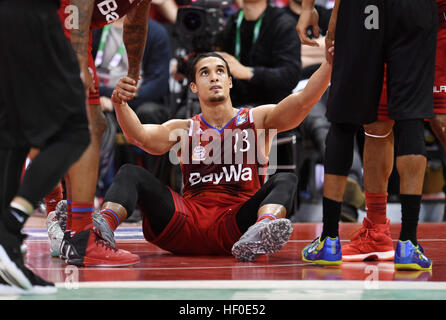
261	45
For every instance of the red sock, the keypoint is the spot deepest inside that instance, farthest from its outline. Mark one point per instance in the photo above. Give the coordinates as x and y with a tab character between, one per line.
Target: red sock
68	227
111	217
53	198
266	216
376	204
81	216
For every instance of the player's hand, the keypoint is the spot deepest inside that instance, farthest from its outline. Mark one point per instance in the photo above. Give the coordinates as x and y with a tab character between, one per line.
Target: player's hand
308	18
238	70
329	50
126	89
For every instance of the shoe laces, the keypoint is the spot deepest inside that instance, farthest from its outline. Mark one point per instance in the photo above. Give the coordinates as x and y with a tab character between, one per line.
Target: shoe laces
361	234
102	242
420	252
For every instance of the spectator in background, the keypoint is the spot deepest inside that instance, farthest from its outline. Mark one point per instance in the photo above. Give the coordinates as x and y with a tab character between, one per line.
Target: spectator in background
312	57
262	48
112	64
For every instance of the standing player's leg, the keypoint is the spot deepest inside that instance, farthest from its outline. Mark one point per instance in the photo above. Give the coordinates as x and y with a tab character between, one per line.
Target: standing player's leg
262	219
410	102
34	116
337	164
81	179
373	240
82	244
55	233
353	99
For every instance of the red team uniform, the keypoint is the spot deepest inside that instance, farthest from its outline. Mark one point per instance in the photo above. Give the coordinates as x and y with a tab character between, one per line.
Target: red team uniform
204	219
439	89
105	12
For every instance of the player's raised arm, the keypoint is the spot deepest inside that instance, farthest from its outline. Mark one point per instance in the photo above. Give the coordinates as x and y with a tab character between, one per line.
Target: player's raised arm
292	110
135	35
156	139
308	18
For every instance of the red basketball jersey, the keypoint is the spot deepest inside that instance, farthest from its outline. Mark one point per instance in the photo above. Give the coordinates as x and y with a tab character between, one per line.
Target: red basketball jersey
105	11
226	162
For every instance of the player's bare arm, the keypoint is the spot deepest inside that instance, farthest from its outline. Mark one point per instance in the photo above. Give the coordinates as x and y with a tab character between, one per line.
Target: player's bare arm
152	138
308	17
292	110
80	37
330	38
135	35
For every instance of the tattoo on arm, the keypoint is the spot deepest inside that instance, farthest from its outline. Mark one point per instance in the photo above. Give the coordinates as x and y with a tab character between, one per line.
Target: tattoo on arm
80	36
135	35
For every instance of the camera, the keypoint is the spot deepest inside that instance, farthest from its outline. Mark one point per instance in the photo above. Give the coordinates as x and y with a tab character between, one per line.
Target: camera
199	22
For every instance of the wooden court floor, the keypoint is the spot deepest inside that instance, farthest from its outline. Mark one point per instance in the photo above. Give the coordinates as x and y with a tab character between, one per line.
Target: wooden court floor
283	275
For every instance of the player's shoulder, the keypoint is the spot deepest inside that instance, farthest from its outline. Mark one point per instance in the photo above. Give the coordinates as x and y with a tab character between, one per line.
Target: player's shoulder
259	114
177	124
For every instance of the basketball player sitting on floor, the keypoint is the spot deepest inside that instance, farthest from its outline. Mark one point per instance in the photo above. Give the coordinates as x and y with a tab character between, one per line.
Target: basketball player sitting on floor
226	206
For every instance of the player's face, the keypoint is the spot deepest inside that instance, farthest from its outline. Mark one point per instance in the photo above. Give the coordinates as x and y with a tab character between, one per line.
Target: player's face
212	81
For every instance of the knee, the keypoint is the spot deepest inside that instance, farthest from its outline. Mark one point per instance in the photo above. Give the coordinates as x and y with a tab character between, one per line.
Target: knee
287	179
134	174
128	169
409	137
339	148
379	129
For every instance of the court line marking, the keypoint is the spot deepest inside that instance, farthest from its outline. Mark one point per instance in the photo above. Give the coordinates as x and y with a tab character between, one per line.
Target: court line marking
264	284
182	268
118	240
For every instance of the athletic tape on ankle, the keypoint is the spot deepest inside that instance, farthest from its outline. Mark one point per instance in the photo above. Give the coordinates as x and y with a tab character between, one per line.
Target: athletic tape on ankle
266	215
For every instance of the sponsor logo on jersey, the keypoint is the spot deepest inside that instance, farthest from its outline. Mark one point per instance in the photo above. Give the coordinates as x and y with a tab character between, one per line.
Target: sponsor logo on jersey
439	89
108	9
228	174
241	119
199	153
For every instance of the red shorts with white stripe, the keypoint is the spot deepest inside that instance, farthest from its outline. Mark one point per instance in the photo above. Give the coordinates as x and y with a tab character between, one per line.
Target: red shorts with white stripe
203	225
439	90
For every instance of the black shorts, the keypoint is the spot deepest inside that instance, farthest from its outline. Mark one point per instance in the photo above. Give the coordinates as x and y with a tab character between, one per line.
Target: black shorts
40	87
370	34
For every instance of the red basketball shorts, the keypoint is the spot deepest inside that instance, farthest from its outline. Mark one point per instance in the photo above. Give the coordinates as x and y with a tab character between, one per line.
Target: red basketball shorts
204	225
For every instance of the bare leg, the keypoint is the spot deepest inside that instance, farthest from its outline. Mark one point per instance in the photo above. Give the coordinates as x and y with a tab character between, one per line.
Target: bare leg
81	179
378	156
